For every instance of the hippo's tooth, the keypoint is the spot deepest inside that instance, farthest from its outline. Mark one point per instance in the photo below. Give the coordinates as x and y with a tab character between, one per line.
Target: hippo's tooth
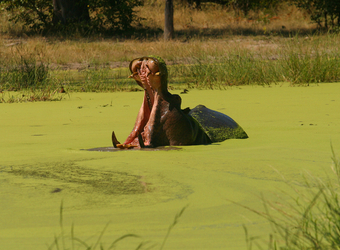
140	140
157	73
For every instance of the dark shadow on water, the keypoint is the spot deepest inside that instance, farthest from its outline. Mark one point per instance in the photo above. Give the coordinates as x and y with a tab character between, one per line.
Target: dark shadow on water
112	149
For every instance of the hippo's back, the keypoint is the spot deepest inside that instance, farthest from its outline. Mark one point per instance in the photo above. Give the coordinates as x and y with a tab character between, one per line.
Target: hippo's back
216	125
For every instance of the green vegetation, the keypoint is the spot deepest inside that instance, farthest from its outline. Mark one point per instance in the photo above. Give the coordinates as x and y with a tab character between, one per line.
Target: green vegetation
325	13
289	129
311	221
298	62
72	242
263	47
81	16
26	73
87	17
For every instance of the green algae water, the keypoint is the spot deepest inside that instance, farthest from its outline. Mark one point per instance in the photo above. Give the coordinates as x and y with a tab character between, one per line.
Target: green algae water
44	161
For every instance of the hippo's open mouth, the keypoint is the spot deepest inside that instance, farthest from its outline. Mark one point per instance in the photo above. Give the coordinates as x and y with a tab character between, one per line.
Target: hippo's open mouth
147	74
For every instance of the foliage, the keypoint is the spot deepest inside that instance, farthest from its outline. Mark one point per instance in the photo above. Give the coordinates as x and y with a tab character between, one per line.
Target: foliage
106	15
107	12
255	5
35	14
243	6
322	11
197	3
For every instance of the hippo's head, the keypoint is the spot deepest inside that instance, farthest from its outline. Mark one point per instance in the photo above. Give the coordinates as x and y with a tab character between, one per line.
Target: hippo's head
150	73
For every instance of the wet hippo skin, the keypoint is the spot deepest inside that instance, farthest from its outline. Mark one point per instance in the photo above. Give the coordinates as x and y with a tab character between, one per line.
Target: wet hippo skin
162	122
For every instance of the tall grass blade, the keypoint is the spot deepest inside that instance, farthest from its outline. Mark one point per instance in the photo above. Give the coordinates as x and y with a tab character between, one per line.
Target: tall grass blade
178	215
113	244
81	242
72	236
61	223
100	236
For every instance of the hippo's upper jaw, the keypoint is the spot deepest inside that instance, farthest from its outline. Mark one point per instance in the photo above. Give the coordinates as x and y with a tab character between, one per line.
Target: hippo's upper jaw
146	73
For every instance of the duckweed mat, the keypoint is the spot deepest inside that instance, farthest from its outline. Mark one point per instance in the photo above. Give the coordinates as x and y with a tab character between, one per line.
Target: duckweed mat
43	163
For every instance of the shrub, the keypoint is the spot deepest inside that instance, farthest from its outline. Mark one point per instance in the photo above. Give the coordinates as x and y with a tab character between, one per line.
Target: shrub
83	16
322	11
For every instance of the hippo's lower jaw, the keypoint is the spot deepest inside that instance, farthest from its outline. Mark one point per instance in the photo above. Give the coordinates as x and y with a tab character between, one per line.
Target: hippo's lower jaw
139	135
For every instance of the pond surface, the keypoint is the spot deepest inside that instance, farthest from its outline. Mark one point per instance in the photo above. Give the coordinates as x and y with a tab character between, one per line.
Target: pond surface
43	162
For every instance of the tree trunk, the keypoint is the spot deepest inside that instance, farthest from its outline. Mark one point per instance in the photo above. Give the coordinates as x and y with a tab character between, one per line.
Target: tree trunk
70	11
169	20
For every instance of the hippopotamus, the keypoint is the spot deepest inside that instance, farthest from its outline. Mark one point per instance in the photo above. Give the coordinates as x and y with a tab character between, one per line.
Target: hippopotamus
162	122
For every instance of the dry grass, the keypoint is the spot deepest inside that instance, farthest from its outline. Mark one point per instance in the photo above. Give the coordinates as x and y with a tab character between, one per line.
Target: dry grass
212	31
214	18
83	54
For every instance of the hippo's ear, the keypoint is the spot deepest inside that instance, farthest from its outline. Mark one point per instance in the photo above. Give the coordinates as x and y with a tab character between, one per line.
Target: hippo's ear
186	110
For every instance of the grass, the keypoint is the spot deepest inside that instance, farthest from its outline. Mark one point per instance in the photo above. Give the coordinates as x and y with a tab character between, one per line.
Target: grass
31	96
214	48
95	80
298	61
64	242
311	221
214	20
